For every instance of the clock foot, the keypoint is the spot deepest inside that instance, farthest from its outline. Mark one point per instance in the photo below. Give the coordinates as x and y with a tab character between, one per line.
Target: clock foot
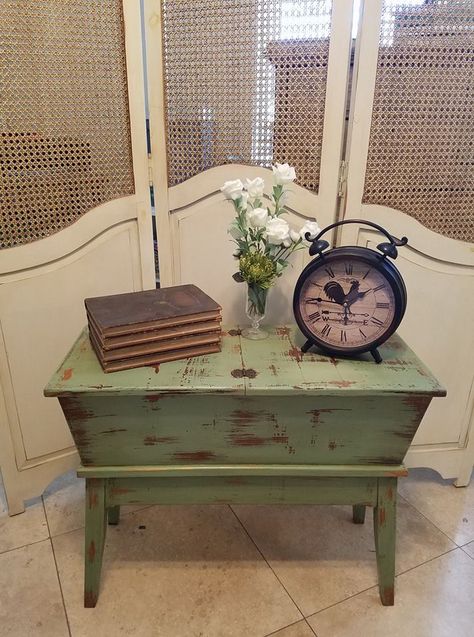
306	347
376	355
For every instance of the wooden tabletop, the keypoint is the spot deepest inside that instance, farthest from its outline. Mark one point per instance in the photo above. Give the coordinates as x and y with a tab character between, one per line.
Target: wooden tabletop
273	366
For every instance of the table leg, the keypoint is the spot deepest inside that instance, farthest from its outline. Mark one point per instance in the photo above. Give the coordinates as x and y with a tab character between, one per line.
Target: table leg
113	514
384	530
358	513
95	538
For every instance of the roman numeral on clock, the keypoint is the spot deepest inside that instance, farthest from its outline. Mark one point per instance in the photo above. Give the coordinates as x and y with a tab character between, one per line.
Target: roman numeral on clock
343	336
376	321
383	306
315	316
379	287
362	333
348	268
330	272
326	329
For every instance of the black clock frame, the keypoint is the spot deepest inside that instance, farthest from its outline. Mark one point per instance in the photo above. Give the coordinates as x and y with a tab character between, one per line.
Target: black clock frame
377	260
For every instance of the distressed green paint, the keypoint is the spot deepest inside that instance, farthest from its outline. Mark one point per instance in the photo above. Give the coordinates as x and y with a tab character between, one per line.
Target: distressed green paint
384	531
94	538
155	429
256	423
242	490
113	515
268	470
358	514
276	366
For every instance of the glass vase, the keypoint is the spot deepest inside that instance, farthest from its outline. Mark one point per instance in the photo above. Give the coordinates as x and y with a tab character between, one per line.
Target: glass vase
255	306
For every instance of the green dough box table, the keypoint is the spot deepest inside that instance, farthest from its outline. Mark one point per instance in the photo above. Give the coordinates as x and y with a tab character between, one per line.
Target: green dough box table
257	423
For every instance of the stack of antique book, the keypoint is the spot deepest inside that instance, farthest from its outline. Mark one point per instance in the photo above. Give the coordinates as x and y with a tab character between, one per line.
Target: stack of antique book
152	327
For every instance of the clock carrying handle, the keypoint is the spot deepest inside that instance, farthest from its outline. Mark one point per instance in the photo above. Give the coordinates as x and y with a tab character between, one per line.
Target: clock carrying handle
387	249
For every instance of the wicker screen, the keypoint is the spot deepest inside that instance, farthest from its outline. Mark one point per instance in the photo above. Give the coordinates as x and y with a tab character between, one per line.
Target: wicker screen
64	128
421	143
245	83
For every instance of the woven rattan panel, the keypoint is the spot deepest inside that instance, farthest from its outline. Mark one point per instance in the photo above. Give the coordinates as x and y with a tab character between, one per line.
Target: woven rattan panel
64	128
421	151
245	83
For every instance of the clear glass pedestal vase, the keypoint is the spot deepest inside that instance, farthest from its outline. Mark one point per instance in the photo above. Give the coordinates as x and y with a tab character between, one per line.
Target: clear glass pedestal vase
255	307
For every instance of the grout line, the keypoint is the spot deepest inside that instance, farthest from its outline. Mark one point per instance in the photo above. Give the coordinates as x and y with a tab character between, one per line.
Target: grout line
464	551
266	561
429	520
427	561
57	571
376	585
341	601
122	514
275	632
310	627
22	546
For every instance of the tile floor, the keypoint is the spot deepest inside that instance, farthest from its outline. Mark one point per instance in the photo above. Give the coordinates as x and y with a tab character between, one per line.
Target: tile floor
242	571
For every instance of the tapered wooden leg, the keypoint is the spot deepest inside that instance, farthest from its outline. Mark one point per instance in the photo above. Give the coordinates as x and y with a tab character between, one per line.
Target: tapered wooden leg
384	530
95	538
358	513
113	514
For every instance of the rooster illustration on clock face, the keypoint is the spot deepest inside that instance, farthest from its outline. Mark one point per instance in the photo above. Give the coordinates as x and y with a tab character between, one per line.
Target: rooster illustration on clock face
347	304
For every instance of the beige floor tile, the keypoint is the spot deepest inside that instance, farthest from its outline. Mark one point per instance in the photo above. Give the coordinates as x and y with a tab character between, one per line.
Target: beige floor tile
469	548
192	571
450	508
300	629
24	528
64	504
433	600
322	558
30	598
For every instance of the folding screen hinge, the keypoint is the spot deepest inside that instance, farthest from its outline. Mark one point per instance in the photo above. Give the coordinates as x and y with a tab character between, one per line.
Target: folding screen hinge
150	170
342	182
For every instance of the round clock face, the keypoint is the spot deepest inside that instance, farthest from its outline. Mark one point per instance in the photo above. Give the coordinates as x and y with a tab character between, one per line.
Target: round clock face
347	303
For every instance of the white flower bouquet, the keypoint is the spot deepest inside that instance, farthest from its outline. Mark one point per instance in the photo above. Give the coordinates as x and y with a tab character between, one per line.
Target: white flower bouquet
263	238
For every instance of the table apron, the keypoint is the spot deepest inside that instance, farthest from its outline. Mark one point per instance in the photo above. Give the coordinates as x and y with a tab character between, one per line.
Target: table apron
241	490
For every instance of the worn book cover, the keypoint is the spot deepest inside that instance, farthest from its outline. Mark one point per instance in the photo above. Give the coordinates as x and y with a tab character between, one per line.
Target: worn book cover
157	358
120	314
165	333
143	349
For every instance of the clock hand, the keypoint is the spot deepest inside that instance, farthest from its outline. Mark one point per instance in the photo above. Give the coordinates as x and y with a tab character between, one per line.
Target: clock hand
351	313
360	295
318	299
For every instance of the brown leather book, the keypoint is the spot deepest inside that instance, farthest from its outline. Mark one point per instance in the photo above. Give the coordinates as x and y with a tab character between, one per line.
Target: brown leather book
189	329
155	347
157	358
133	312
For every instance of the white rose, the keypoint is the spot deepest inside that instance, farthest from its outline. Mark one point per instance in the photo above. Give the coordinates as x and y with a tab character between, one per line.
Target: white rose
277	231
255	187
233	189
257	217
244	199
283	174
294	236
311	227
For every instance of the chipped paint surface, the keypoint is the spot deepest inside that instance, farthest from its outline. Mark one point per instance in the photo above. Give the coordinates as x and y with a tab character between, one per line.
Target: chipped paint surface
254	403
195	456
228	428
382	515
154	440
91	551
67	375
90	599
296	354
